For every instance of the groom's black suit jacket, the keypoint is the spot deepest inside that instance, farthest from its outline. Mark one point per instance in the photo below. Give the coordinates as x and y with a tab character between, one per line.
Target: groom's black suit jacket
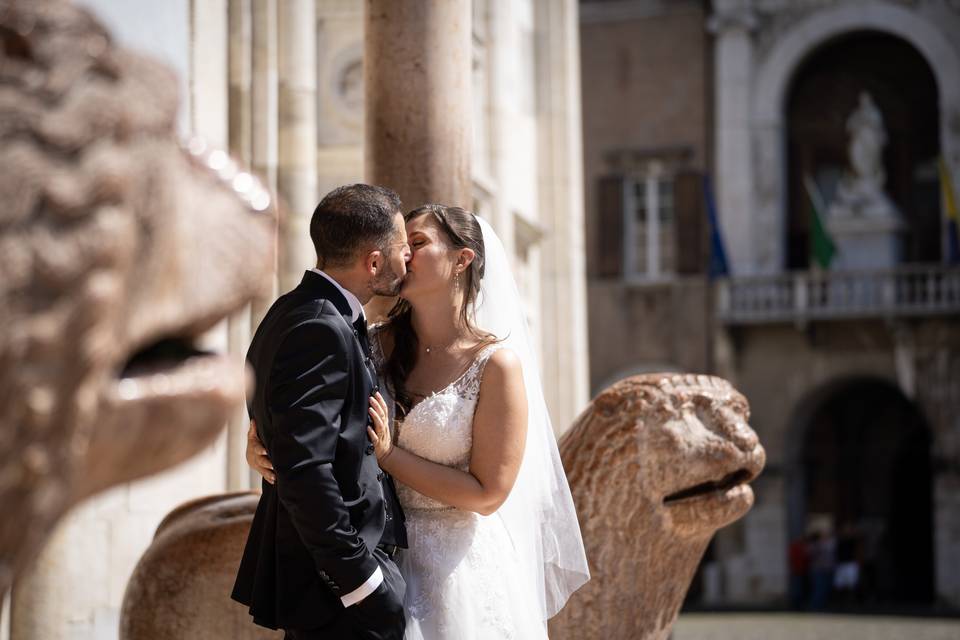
314	530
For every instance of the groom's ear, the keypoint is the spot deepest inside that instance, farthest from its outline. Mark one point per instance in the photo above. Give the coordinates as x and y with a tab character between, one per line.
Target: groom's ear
373	263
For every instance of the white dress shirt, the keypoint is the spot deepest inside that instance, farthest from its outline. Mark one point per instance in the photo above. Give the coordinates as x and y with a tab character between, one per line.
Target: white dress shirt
356	309
371	584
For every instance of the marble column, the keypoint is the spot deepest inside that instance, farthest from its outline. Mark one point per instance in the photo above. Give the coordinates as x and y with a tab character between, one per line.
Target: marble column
417	74
732	23
263	137
297	148
418	92
264	117
502	76
240	58
563	314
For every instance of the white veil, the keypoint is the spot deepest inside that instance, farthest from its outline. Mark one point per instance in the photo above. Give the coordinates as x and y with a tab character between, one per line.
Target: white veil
539	513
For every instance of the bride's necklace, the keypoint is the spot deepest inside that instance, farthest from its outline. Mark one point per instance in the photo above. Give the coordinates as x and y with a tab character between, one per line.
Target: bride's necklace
444	347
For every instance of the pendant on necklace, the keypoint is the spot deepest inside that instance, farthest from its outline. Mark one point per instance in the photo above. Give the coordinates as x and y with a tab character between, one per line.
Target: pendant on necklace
428	349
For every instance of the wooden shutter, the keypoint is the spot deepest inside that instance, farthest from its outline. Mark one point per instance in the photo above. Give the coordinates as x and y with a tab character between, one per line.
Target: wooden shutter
608	260
691	231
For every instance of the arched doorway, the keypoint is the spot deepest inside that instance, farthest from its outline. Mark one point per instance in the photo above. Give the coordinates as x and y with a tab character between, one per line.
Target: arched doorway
823	93
763	180
863	467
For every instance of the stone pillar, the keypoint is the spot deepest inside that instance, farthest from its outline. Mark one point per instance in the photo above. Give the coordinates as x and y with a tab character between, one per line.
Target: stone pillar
732	24
297	170
563	318
240	130
263	92
418	88
263	131
417	76
264	118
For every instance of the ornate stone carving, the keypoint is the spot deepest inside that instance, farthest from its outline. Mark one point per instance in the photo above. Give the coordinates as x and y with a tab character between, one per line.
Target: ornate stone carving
181	586
657	463
117	250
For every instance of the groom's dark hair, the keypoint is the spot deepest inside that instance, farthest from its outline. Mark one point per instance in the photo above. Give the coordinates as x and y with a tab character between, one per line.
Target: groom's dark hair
351	218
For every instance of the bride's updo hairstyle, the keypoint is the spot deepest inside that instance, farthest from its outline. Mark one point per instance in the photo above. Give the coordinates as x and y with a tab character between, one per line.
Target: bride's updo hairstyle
462	231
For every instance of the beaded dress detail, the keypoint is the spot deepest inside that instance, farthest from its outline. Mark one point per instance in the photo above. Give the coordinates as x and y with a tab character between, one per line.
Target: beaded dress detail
458	563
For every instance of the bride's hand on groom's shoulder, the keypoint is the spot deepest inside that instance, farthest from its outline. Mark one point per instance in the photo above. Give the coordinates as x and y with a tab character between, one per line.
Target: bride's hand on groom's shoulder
380	431
257	456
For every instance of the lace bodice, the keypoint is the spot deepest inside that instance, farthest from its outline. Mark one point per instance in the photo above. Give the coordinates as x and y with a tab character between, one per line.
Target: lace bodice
440	427
458	565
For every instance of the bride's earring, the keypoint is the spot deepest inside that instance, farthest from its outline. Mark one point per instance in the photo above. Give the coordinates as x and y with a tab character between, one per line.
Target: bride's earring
456	283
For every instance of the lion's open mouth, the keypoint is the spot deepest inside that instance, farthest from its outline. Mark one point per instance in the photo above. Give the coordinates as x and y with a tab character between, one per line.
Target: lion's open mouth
738	477
163	355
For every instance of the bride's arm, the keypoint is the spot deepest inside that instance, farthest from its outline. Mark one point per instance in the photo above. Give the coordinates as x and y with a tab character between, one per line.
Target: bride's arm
499	436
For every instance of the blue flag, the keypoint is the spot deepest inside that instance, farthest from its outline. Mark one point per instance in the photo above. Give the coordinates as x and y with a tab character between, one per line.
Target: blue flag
718	255
953	216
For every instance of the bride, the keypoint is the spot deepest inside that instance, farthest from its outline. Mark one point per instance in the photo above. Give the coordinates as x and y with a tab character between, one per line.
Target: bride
494	544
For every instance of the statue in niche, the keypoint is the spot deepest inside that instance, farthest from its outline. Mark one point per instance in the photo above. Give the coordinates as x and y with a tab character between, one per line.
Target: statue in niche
861	192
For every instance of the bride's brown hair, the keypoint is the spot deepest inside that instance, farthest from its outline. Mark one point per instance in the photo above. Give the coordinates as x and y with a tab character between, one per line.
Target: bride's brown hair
462	230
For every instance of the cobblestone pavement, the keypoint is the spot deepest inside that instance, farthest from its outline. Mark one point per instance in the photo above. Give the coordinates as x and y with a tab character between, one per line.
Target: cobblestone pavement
784	626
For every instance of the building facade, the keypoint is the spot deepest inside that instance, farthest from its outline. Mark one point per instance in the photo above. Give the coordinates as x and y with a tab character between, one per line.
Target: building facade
761	111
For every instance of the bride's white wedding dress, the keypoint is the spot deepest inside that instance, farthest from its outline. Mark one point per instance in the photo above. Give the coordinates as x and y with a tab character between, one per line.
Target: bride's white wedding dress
497	577
460	566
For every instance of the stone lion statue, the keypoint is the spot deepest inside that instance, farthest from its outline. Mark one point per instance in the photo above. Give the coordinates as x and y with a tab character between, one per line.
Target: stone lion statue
118	249
181	585
657	463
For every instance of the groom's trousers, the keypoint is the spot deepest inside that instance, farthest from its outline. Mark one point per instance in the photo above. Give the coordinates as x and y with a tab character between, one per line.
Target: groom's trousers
379	616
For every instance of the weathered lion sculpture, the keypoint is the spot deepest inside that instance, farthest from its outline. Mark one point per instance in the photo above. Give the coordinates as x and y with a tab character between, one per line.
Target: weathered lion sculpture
181	585
657	463
118	248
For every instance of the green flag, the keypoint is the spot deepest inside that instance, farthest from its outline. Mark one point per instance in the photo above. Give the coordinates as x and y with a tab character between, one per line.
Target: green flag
822	248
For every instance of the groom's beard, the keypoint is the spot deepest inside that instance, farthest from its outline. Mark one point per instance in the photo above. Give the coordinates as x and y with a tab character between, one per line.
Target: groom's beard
387	283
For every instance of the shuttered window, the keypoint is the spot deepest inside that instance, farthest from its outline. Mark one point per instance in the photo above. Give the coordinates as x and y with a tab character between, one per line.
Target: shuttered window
651	228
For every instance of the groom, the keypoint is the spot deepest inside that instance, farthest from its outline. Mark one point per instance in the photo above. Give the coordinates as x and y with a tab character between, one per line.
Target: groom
319	560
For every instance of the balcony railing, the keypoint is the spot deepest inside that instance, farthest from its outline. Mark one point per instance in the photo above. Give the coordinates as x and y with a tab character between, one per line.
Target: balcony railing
921	290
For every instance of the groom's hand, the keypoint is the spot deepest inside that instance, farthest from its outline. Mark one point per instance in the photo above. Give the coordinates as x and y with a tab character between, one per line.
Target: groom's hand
257	456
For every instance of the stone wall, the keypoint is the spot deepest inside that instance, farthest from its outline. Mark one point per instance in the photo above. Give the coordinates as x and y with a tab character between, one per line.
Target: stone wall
646	328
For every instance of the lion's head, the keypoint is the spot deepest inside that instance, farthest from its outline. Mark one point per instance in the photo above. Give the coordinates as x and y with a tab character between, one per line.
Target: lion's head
118	248
657	463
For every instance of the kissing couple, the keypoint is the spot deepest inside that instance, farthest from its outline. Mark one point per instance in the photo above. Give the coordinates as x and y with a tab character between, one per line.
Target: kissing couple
412	483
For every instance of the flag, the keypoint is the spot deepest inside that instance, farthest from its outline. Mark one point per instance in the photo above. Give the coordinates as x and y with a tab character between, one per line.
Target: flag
718	255
822	247
953	218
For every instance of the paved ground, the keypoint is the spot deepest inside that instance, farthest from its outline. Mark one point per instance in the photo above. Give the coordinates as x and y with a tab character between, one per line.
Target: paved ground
785	626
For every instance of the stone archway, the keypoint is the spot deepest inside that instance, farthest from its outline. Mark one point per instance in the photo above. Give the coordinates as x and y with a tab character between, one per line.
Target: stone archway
859	454
770	89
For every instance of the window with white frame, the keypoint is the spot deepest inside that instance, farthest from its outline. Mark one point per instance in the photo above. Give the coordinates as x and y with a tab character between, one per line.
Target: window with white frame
649	229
